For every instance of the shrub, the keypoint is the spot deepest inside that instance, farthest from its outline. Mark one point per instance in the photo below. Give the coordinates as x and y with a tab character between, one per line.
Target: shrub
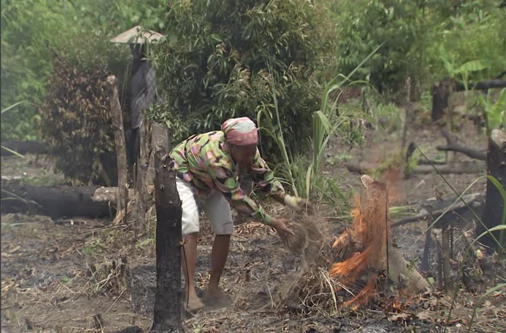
75	114
364	25
472	31
223	59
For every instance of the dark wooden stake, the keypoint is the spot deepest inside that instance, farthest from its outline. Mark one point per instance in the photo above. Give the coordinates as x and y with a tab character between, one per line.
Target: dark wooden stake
426	249
494	205
446	258
167	312
440	95
140	207
439	266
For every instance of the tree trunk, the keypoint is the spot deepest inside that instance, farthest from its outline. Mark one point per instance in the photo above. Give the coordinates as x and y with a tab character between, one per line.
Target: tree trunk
167	312
119	140
452	168
440	94
59	201
494	205
140	207
483	85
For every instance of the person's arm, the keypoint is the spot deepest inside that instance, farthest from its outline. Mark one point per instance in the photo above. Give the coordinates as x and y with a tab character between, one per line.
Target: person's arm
264	178
225	181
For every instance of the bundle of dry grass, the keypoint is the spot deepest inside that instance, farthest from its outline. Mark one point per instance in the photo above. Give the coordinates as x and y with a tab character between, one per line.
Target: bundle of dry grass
311	288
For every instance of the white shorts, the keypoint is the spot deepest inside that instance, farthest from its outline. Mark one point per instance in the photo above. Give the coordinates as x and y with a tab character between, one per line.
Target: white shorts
215	206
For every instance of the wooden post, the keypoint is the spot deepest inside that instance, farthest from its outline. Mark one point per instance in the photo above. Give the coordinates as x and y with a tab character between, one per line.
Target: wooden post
140	207
119	140
426	249
440	95
445	243
494	204
439	266
167	311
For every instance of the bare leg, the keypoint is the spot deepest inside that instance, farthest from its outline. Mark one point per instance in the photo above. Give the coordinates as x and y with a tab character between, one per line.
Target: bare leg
189	262
218	259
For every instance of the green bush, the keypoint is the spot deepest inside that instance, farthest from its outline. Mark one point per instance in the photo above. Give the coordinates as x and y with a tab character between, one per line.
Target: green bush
223	59
27	26
473	31
415	33
363	25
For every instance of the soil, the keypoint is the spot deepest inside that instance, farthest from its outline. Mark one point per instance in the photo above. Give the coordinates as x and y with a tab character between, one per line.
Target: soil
84	275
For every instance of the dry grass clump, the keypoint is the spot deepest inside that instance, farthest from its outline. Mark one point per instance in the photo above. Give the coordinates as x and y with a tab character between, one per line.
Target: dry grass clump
343	270
311	289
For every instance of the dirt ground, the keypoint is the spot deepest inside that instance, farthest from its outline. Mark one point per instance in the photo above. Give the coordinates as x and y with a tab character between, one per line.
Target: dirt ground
83	275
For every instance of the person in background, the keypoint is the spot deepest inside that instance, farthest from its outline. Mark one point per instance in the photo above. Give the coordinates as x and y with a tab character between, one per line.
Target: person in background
208	169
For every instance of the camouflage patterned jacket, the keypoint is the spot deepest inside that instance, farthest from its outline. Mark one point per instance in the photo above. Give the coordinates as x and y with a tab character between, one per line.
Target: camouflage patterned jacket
205	161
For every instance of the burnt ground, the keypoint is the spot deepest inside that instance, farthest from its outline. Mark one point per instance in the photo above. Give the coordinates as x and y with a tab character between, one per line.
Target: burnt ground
82	275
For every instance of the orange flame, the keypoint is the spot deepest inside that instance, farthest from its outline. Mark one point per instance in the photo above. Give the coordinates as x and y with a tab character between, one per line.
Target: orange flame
365	295
367	238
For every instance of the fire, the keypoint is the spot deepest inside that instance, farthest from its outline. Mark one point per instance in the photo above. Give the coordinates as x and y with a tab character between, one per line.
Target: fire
364	296
366	239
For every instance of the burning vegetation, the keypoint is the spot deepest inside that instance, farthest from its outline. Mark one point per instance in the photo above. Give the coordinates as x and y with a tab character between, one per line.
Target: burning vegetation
349	270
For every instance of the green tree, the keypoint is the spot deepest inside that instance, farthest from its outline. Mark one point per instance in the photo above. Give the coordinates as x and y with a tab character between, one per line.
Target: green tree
29	26
224	58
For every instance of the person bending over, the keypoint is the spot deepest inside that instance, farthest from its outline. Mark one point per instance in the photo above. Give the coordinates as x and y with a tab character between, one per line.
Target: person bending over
208	167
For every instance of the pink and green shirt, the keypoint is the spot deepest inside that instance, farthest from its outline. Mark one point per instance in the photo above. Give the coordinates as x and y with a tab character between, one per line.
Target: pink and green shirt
205	161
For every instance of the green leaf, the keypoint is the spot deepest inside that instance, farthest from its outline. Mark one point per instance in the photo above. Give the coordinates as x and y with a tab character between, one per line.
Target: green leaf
472	66
496	111
14	152
12	106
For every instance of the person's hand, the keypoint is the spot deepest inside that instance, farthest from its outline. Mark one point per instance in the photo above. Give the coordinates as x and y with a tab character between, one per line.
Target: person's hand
279	224
297	203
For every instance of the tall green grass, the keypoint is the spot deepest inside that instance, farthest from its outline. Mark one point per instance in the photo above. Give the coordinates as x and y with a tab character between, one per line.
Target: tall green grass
303	177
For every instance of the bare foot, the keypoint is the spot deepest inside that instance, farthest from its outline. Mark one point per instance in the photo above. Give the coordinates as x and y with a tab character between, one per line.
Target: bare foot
217	298
194	304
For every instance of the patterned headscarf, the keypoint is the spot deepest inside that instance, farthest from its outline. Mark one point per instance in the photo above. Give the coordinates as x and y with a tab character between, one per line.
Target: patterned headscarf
240	131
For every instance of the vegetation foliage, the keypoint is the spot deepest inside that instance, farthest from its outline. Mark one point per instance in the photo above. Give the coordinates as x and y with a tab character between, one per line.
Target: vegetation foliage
227	58
29	27
77	124
418	36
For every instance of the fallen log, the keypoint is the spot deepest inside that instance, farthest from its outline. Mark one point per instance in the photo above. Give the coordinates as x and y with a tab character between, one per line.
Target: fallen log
482	85
451	145
476	154
59	201
451	168
474	200
24	147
